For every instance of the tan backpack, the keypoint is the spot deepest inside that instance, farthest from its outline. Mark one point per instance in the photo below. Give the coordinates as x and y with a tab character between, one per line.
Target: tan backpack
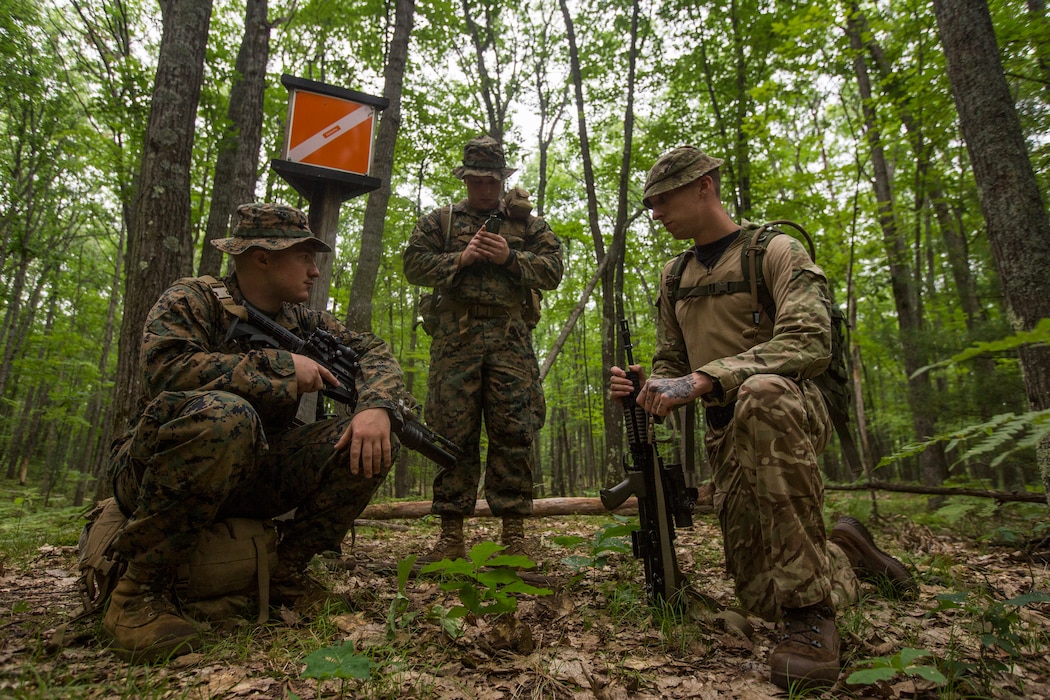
233	558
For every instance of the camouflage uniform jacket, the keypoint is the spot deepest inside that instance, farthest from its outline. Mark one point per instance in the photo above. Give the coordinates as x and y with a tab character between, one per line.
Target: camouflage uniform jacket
715	334
431	263
184	348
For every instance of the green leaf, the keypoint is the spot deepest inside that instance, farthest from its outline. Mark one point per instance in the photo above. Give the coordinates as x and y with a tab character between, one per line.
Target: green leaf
927	672
1032	597
871	675
337	662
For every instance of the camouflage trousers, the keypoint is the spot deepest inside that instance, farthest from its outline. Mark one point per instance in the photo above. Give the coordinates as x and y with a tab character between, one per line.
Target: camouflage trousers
201	456
485	369
769	496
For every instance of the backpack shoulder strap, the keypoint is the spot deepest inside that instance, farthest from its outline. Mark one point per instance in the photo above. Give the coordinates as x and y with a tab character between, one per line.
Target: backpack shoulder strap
674	279
751	262
224	297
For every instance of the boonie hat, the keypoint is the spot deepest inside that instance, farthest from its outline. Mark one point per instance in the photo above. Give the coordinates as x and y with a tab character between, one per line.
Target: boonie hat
483	155
271	227
677	167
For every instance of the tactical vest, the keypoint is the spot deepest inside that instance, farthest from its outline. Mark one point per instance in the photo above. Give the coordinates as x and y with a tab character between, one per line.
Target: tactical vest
834	382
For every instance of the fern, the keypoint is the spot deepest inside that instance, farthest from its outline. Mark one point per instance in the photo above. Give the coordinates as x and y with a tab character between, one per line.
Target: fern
1001	435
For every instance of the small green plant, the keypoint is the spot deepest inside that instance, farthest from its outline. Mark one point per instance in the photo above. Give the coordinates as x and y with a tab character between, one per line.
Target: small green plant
487	583
884	668
399	616
614	538
340	662
999	621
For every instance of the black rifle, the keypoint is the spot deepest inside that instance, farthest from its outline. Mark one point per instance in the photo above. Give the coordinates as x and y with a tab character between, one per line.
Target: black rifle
664	500
325	349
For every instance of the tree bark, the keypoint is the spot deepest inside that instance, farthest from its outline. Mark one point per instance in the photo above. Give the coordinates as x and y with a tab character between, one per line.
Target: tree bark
359	312
160	239
1011	202
237	164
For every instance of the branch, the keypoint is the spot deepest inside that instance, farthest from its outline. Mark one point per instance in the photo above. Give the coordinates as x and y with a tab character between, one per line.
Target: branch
1001	496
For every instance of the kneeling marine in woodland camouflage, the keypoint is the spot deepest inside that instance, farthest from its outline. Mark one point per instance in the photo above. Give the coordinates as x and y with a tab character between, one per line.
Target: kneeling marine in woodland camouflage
215	434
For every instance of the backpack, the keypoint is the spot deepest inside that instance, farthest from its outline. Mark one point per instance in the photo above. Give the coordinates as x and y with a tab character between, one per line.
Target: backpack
516	207
232	559
834	382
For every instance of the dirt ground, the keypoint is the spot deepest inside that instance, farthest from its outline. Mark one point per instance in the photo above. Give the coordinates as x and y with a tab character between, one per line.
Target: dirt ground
593	636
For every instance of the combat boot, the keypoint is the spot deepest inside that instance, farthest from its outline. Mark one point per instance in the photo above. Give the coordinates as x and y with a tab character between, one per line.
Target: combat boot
513	537
143	622
868	561
450	544
807	655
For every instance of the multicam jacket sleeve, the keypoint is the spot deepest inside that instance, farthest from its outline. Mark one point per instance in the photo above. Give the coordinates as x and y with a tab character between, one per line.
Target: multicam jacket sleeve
796	344
430	262
185	349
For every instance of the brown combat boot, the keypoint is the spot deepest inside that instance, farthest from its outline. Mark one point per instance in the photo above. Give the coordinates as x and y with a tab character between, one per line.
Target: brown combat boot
868	561
513	537
143	622
450	544
807	655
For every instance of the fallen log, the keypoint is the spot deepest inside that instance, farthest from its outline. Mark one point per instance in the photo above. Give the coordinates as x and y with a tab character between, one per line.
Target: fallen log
541	507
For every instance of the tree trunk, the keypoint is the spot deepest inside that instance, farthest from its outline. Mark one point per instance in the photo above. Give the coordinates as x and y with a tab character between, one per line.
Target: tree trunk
359	312
237	164
1011	202
934	465
159	239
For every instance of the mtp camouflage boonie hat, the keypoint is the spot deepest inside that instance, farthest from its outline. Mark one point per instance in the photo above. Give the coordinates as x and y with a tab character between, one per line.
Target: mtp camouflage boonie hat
483	155
272	227
677	167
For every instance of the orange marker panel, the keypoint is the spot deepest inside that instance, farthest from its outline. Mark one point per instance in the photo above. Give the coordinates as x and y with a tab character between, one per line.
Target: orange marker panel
330	132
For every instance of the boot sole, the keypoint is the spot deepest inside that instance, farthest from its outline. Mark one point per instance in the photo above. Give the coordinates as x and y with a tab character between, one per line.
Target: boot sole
156	652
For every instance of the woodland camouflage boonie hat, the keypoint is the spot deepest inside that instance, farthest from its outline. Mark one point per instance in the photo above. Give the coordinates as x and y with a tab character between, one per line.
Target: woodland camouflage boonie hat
272	227
677	167
483	155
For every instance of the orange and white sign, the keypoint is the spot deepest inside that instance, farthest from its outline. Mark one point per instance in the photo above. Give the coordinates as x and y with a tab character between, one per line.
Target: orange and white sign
329	132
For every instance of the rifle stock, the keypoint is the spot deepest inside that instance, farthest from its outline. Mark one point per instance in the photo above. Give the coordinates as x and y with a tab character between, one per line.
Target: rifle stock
664	501
325	349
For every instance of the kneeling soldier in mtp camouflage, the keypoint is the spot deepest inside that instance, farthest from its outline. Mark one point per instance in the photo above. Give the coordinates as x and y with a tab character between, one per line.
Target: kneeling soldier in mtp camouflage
214	435
766	420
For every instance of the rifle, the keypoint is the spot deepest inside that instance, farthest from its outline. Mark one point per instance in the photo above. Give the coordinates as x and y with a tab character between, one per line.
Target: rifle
664	501
325	349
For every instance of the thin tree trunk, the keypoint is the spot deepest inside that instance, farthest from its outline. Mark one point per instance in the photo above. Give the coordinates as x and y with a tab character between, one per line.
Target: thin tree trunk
934	465
359	313
237	164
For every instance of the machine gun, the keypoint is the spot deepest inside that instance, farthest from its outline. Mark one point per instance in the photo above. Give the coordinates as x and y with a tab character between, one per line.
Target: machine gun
325	349
664	501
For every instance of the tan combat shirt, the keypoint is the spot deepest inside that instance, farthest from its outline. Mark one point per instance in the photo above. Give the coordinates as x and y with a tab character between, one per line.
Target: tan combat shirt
715	334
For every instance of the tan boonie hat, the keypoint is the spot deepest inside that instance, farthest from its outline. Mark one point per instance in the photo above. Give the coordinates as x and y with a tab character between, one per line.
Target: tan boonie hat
483	155
271	227
677	167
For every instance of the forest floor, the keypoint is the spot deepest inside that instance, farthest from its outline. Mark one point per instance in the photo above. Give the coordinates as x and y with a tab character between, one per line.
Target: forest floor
592	636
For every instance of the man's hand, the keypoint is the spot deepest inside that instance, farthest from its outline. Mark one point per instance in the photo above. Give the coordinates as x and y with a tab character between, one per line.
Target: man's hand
368	437
619	385
487	247
311	376
660	396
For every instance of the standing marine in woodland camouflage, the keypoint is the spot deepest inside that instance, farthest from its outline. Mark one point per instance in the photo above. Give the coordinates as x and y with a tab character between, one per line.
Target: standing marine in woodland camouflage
486	257
215	435
766	420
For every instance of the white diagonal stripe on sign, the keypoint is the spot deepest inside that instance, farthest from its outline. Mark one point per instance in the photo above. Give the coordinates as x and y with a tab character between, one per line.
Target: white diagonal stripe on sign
325	135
